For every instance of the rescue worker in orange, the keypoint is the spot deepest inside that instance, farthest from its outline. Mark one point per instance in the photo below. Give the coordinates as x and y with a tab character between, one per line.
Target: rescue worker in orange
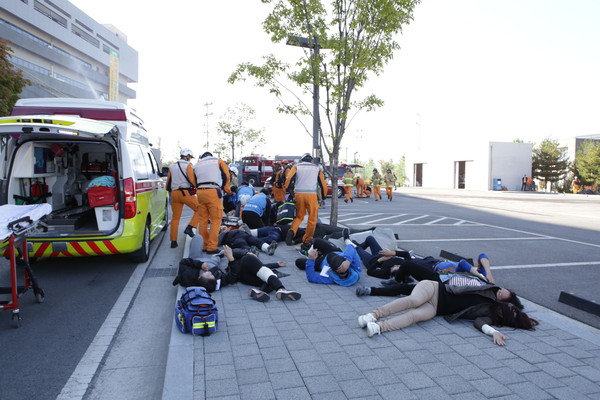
348	180
376	180
212	177
278	182
181	184
360	187
308	179
390	181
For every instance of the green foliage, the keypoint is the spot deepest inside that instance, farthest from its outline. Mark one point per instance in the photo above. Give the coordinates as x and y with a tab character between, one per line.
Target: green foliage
587	162
235	134
549	163
348	42
11	80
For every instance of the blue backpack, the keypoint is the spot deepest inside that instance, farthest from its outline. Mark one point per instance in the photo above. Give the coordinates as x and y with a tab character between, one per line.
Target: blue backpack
196	312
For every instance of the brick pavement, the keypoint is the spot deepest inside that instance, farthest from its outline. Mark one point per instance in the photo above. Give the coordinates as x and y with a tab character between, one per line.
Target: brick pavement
314	349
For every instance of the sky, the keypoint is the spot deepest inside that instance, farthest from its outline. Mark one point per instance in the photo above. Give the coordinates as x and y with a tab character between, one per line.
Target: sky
468	71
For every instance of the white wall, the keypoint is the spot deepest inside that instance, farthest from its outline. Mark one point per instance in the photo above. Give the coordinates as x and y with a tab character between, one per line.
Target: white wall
483	162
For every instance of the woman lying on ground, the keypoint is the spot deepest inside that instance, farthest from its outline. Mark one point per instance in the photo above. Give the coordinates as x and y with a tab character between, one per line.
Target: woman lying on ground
464	274
243	266
384	263
486	305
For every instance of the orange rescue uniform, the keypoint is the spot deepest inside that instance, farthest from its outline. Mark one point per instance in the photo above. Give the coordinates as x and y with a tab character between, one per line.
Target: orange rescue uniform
212	175
181	188
309	178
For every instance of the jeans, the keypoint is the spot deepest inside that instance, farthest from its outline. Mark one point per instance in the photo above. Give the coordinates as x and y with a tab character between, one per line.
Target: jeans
374	247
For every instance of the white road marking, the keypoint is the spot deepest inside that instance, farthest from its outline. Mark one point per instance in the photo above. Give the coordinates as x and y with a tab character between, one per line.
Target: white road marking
362	216
411	219
526	266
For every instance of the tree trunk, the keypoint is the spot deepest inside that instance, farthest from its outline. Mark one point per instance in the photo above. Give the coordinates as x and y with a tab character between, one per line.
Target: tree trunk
333	216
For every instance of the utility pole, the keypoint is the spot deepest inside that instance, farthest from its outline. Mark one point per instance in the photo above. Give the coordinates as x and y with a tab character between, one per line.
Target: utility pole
207	115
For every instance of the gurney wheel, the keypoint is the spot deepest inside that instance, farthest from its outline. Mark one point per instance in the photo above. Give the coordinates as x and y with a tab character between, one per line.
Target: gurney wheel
16	316
39	297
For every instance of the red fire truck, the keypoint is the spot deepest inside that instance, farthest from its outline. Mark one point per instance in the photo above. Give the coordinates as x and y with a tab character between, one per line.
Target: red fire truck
256	169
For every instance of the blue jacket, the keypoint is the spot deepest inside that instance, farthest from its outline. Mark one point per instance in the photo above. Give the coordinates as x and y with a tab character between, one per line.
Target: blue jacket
257	204
249	190
330	276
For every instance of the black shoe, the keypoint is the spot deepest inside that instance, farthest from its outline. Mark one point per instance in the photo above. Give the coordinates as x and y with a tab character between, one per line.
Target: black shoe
189	231
258	295
346	234
390	199
173	244
345	200
254	250
289	238
351	200
215	251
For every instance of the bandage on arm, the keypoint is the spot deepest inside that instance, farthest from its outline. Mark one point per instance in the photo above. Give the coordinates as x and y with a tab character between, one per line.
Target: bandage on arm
488	330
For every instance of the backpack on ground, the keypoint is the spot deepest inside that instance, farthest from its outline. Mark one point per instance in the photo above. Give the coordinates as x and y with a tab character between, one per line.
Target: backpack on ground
196	312
286	213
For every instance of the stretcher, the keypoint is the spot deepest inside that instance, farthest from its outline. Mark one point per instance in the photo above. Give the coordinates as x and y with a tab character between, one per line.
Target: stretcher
16	223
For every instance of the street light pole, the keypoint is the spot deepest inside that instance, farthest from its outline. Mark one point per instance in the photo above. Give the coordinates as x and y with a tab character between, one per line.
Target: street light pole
314	45
207	115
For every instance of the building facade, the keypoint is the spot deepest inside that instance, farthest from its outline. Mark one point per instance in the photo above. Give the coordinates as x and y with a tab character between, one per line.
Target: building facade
65	53
484	166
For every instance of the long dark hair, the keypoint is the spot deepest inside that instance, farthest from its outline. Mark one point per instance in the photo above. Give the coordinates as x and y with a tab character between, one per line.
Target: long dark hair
507	314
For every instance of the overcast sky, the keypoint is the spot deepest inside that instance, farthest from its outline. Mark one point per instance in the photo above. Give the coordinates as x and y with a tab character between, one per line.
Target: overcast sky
468	70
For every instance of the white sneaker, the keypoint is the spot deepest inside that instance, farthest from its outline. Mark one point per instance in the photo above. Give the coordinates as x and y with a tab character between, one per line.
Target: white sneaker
373	329
363	320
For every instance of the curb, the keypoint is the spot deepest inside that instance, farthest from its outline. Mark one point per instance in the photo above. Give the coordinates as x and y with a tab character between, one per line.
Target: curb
179	371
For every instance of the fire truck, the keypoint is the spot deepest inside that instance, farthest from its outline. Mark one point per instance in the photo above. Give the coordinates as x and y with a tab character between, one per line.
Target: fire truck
256	170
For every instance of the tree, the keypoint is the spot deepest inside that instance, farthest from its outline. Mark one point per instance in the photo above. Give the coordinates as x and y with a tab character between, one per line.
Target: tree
235	133
359	38
549	163
587	162
11	80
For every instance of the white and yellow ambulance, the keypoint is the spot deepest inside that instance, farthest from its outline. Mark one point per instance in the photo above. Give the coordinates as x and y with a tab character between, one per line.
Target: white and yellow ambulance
91	160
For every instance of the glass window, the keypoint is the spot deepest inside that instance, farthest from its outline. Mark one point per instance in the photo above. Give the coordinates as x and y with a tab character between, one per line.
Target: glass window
140	169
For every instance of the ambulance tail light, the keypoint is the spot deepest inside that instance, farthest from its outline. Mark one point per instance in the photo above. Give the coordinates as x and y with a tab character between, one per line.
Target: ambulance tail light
130	198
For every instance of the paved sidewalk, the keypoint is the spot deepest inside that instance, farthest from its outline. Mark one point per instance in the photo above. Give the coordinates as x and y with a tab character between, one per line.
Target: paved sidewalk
314	349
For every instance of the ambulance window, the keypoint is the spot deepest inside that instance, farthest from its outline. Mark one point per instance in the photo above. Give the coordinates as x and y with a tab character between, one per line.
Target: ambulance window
152	163
140	168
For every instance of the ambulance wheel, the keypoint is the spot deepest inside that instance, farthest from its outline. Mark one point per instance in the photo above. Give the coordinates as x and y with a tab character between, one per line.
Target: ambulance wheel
143	253
341	192
166	220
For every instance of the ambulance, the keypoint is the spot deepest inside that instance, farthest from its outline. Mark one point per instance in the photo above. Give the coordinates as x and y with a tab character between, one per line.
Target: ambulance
92	161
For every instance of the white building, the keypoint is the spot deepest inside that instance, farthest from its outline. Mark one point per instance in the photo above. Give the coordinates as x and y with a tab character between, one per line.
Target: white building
65	53
478	166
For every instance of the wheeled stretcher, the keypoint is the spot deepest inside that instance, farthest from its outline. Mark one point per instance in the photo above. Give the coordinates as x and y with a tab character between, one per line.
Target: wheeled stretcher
16	223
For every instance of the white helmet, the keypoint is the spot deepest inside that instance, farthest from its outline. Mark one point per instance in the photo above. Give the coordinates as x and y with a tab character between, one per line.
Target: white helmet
233	169
186	152
245	198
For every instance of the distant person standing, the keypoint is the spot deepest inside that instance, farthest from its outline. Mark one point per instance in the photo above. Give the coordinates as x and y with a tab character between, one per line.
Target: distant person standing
278	182
524	183
348	180
212	177
576	184
181	184
390	181
308	179
376	180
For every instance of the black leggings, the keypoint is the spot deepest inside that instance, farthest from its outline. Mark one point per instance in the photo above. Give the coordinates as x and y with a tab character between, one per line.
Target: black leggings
417	271
249	267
